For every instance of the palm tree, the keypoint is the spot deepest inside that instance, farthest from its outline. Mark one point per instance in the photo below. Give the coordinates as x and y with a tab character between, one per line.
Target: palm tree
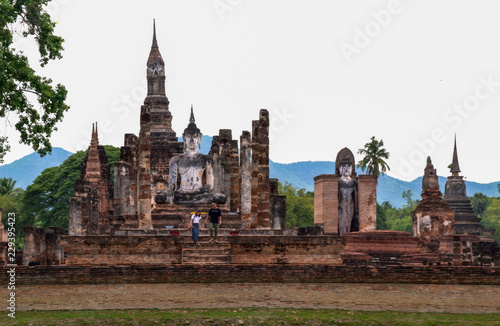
374	157
7	186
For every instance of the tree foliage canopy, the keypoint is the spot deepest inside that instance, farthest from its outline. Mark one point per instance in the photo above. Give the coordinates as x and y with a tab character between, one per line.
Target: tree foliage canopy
396	219
479	203
10	202
374	157
7	186
19	82
299	205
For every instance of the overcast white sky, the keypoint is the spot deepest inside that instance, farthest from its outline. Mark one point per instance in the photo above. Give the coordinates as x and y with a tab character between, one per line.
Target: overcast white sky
331	73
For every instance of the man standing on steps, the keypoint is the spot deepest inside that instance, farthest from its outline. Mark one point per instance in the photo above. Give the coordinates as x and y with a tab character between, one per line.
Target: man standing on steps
215	220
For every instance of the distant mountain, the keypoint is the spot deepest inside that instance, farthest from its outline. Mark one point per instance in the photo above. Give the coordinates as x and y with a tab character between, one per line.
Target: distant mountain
390	189
26	169
300	175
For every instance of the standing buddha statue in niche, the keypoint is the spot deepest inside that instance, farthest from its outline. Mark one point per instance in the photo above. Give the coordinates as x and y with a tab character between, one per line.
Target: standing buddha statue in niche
348	188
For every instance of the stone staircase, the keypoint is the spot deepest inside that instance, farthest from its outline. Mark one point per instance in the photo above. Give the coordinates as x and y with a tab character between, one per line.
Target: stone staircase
208	252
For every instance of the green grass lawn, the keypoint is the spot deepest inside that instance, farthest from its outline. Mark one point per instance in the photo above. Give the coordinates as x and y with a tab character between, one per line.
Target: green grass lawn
244	316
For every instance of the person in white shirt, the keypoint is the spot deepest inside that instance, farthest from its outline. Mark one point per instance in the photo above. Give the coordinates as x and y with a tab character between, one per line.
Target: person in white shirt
195	227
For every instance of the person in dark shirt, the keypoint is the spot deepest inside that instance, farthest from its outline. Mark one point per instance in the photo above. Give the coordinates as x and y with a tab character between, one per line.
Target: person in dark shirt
215	220
33	262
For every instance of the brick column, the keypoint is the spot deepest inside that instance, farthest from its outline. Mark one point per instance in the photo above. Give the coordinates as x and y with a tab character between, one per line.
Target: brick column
75	216
144	170
260	170
234	203
367	201
246	179
326	202
121	200
41	245
29	244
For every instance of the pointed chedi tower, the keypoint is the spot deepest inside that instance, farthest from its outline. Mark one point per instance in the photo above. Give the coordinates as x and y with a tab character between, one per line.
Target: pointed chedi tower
466	221
89	209
163	140
433	218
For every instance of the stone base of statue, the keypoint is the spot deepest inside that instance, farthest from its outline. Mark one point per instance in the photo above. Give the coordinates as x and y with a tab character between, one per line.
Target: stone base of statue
194	197
198	198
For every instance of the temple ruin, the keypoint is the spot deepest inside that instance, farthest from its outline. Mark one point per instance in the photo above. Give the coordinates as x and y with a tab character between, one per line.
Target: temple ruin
152	196
160	181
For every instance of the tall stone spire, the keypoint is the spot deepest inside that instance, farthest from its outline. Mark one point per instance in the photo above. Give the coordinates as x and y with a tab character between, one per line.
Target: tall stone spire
455	168
156	69
93	164
156	118
466	221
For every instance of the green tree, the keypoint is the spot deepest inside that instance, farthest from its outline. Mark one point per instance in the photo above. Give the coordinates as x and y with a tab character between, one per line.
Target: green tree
374	157
299	205
19	82
408	196
490	219
11	205
479	203
397	219
7	186
498	186
381	218
46	200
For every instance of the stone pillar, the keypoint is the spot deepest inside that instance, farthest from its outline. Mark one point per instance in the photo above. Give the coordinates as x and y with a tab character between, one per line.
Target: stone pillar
75	216
234	201
57	250
29	249
128	154
326	202
245	177
260	170
367	202
121	200
144	170
215	152
41	245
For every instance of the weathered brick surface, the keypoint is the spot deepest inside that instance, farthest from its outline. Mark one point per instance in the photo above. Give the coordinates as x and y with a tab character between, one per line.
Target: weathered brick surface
254	273
122	250
286	250
326	202
371	297
367	200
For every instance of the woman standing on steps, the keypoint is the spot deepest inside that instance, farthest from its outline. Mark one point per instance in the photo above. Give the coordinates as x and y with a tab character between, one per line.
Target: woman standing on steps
195	226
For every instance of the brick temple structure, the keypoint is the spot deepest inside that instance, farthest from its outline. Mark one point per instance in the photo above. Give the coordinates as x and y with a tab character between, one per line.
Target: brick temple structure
159	182
137	203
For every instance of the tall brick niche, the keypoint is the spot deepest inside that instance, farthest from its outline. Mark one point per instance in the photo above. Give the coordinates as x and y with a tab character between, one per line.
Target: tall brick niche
326	202
260	170
367	201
